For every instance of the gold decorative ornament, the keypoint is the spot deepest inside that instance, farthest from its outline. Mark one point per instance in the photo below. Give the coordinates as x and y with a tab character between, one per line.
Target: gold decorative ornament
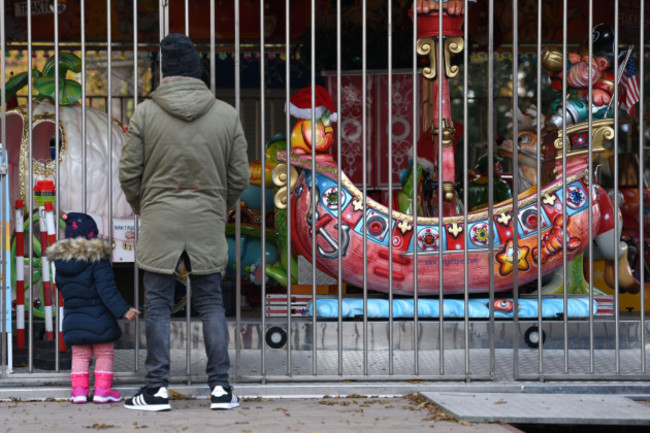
453	45
552	60
601	130
427	47
449	190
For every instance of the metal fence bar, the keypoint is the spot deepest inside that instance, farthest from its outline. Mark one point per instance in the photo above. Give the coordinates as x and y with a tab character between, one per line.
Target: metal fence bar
82	26
364	143
441	212
465	192
339	180
538	173
287	96
263	171
565	319
187	18
6	361
591	188
515	184
415	336
314	200
642	179
58	322
136	219
617	342
389	99
213	60
30	191
491	137
238	342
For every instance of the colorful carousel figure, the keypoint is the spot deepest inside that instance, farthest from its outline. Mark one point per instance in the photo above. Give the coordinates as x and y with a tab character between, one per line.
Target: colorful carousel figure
399	248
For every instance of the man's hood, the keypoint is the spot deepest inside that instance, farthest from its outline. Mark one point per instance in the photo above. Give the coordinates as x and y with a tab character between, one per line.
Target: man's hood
183	97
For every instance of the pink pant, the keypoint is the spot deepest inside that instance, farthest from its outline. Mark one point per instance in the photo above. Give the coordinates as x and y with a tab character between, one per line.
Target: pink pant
82	353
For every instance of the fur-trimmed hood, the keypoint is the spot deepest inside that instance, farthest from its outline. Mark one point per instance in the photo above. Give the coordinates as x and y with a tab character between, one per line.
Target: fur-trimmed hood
91	250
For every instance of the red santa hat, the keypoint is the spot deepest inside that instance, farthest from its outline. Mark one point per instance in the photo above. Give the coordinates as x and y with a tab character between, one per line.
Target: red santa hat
300	104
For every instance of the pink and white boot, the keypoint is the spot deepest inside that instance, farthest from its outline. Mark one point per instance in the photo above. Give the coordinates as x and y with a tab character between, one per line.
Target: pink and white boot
80	389
103	388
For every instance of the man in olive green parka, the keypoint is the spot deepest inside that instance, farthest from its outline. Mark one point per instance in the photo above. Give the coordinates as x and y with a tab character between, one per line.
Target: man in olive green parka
183	166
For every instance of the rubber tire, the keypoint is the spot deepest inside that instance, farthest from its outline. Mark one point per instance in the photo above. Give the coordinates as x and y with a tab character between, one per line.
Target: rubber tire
531	337
276	337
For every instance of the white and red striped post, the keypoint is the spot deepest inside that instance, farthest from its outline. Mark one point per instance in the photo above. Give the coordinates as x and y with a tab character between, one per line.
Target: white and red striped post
47	289
43	194
51	238
20	276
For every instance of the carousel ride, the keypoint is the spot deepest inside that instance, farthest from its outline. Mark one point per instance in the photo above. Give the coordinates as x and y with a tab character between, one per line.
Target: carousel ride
402	252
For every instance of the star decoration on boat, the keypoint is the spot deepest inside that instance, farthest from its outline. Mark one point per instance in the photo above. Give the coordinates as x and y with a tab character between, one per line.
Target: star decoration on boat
455	230
404	226
549	199
357	204
504	219
505	257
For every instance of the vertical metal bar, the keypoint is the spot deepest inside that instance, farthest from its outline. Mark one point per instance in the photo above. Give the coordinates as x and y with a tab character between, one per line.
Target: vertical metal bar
641	63
441	318
515	185
565	318
339	180
109	112
57	176
314	201
617	337
162	33
364	169
187	20
538	132
84	165
136	220
465	185
213	60
491	135
237	59
287	96
390	186
590	194
414	198
166	13
263	158
6	344
30	189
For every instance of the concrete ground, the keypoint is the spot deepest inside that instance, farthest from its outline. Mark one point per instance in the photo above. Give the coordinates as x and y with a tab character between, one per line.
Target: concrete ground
412	413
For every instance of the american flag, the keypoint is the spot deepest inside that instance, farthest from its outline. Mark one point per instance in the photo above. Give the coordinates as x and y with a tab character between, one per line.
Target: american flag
630	84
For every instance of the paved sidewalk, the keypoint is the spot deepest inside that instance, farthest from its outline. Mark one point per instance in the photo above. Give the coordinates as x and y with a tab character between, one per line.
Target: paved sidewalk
412	413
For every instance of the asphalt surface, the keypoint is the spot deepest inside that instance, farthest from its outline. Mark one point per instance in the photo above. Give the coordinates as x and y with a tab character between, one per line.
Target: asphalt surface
412	413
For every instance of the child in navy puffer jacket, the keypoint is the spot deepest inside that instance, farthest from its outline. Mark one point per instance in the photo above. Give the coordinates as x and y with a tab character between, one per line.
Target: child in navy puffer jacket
92	305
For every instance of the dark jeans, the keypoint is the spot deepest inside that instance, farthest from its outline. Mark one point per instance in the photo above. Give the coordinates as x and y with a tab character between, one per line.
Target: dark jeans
207	300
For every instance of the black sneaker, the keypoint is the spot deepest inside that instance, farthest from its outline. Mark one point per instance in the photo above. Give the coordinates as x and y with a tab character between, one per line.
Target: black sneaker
223	398
151	399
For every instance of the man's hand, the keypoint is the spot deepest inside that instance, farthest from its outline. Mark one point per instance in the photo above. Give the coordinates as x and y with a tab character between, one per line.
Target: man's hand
131	314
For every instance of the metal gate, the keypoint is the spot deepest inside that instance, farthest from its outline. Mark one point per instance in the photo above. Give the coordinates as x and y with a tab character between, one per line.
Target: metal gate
459	228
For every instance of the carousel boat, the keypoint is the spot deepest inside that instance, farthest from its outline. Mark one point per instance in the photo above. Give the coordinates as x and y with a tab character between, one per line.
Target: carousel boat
564	191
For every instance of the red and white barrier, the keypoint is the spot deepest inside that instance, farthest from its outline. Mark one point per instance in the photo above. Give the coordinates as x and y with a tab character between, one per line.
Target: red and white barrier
20	276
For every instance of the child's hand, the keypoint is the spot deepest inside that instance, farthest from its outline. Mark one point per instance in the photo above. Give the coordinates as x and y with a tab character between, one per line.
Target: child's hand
131	314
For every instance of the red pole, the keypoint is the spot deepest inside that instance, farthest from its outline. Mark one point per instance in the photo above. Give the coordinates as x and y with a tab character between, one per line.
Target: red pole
20	276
